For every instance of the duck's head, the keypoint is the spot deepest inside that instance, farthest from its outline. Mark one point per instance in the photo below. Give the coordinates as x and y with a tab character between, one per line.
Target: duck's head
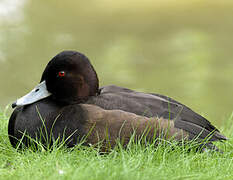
68	78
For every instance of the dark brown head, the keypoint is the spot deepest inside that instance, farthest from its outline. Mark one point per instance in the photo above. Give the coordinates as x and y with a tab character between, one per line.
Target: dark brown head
68	78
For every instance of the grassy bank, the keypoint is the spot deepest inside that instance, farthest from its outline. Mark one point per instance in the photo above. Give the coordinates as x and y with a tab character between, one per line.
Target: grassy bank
135	163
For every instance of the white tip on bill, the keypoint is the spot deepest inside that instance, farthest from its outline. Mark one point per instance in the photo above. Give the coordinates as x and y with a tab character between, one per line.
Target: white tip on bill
38	93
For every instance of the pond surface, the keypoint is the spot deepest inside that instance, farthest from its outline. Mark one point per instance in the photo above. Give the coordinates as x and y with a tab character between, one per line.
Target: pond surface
180	49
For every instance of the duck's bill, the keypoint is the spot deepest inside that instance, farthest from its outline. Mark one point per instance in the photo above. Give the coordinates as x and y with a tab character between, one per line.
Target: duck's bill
38	93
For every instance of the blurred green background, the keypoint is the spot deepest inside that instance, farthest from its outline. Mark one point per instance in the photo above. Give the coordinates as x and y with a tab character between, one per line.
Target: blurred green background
182	49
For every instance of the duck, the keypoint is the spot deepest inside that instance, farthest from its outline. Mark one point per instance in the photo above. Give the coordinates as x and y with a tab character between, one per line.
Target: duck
69	104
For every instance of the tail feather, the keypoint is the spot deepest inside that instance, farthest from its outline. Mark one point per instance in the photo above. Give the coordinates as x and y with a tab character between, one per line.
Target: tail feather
199	132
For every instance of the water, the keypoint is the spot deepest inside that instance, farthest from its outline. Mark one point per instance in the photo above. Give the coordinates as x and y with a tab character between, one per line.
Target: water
180	49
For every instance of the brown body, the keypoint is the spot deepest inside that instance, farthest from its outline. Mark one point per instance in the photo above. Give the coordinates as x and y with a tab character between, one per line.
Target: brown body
111	125
95	125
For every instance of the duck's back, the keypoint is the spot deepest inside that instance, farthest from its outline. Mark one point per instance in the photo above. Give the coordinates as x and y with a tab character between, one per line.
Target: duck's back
151	105
145	104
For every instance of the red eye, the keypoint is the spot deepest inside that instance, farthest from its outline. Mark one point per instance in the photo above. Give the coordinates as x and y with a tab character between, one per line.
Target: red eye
61	74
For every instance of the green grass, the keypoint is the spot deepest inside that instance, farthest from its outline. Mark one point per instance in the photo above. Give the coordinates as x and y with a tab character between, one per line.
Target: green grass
136	162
